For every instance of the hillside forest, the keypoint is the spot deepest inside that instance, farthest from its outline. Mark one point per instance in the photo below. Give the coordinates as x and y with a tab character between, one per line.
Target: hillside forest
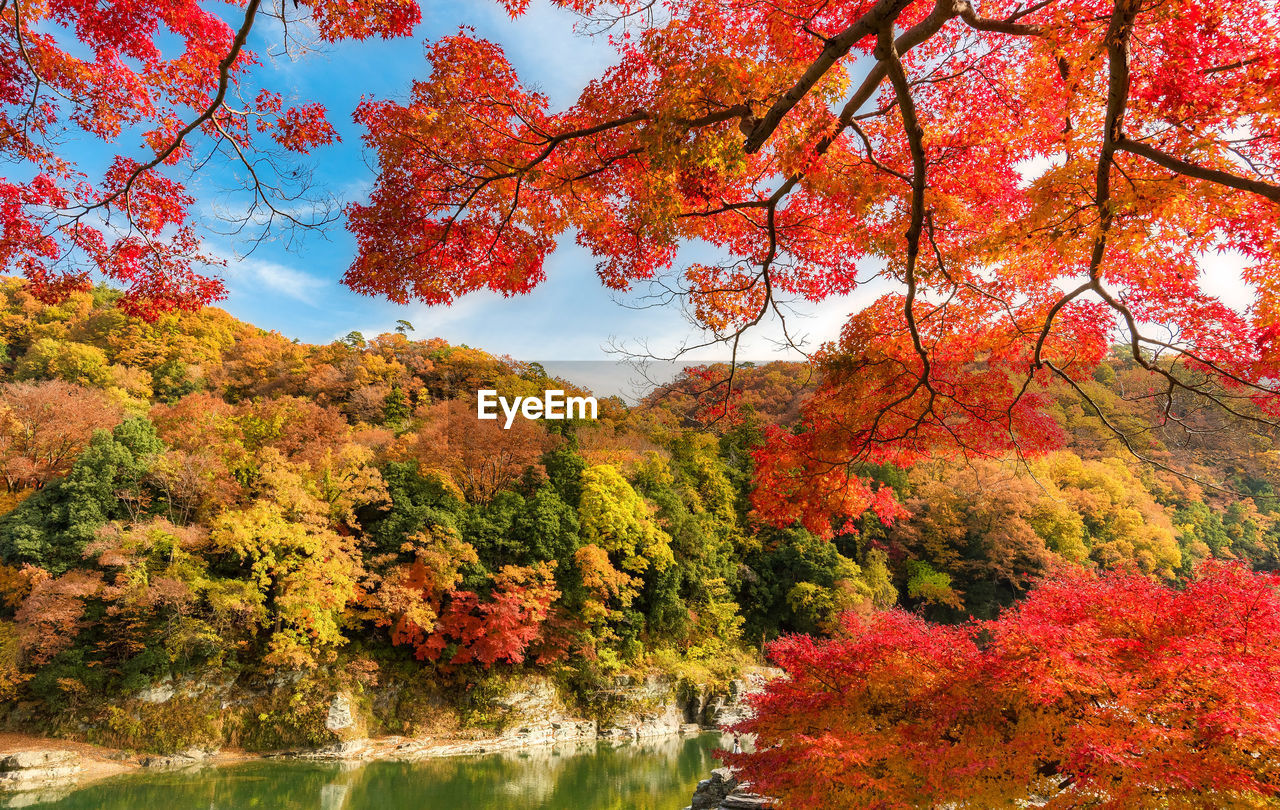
195	496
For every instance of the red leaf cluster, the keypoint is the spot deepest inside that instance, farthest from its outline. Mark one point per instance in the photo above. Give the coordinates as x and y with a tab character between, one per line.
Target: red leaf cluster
1101	691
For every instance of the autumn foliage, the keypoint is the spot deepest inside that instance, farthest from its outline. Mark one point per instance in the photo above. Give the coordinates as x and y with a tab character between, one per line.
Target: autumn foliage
1035	186
1109	691
1034	179
45	427
1030	181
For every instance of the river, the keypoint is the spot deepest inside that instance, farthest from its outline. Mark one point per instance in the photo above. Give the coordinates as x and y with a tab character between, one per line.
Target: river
652	775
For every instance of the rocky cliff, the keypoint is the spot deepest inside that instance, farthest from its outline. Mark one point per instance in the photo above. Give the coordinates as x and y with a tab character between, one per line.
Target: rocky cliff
184	721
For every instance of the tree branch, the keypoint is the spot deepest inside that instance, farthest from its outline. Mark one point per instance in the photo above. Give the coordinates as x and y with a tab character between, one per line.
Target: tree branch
884	12
1160	158
224	82
970	15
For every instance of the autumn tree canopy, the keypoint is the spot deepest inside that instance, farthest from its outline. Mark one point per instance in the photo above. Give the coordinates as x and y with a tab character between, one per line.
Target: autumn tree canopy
1033	178
174	78
1096	691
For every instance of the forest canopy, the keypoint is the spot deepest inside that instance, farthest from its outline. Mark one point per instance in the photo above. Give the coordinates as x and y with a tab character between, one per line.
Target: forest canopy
1046	429
205	495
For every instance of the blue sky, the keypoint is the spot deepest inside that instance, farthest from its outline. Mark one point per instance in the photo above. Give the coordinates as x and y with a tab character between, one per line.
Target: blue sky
296	289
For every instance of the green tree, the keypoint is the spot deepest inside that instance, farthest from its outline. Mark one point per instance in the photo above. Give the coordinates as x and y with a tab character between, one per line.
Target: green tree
547	529
418	503
798	583
52	528
564	470
695	502
395	407
172	380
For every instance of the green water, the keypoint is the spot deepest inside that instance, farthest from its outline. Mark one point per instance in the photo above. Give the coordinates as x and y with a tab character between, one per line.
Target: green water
658	775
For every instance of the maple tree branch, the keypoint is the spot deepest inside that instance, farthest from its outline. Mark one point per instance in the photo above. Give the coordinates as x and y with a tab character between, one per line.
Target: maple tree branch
919	33
1124	437
1007	26
1232	66
554	141
1161	158
888	55
211	109
605	164
1113	138
261	196
871	158
767	302
1215	367
551	143
759	316
1117	99
725	208
838	47
1049	318
884	12
1117	42
35	72
730	112
1135	348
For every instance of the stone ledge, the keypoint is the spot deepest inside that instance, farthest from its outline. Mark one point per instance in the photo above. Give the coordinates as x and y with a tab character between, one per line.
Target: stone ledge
183	759
24	770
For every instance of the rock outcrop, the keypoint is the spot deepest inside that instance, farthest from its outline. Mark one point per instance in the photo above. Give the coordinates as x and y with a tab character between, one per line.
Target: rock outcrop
533	715
182	759
339	717
659	707
723	791
653	710
343	751
23	770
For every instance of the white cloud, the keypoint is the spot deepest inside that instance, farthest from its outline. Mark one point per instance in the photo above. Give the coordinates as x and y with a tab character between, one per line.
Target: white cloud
290	282
561	71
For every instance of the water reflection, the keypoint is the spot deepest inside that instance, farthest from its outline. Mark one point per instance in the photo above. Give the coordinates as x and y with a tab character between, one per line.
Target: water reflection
655	775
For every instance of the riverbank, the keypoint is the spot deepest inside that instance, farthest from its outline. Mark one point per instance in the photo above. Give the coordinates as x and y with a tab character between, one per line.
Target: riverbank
656	709
94	761
533	715
35	763
653	774
34	769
